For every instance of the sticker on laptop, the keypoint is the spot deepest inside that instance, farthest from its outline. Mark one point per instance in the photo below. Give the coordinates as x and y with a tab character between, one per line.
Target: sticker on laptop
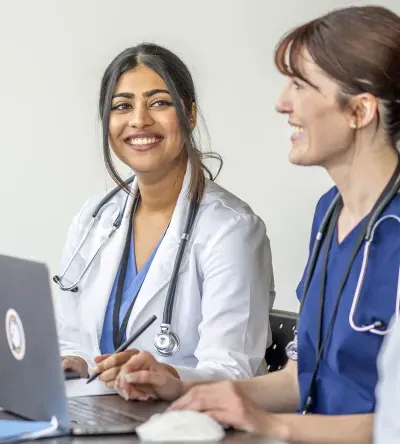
15	334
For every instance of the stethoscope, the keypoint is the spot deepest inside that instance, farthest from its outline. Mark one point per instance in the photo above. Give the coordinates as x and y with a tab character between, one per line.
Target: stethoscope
325	232
166	342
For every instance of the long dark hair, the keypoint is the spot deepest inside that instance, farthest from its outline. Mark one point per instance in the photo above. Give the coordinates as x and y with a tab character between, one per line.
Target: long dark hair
359	48
181	87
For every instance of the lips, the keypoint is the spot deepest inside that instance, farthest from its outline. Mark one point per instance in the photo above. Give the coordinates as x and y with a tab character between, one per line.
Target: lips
296	132
143	140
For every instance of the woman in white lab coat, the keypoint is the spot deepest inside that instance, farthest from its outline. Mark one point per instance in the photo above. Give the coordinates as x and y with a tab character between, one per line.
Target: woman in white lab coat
225	286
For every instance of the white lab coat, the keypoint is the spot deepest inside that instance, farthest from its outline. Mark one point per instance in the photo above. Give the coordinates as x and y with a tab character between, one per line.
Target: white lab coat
386	420
224	293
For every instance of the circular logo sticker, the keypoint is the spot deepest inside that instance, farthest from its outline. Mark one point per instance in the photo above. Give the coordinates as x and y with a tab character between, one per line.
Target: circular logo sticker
15	334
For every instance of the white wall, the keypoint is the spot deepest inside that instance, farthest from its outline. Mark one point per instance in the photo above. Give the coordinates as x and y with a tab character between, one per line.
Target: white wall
52	56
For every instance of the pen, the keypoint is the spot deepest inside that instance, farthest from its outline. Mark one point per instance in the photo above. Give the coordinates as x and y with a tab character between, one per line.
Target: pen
128	342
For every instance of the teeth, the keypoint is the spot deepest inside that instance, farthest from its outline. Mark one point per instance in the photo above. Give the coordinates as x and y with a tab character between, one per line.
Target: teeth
143	141
297	129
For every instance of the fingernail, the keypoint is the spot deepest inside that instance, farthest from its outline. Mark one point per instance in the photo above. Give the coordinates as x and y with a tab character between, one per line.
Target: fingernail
130	378
95	369
125	395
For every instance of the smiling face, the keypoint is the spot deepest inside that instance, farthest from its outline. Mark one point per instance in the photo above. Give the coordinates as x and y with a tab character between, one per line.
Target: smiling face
321	128
144	130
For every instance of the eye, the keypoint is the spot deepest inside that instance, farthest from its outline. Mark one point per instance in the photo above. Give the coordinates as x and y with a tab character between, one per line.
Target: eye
121	107
161	103
297	84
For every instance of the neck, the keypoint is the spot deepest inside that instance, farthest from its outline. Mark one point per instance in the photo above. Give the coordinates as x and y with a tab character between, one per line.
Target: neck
361	179
159	191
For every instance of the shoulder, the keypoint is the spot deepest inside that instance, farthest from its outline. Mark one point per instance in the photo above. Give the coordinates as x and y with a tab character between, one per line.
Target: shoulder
325	201
221	206
322	206
386	232
393	207
226	221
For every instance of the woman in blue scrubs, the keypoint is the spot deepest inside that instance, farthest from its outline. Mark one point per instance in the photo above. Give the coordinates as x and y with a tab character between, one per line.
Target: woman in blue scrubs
342	100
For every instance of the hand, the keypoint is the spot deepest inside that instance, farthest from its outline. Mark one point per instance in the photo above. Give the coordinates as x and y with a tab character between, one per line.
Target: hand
76	364
109	366
224	402
143	377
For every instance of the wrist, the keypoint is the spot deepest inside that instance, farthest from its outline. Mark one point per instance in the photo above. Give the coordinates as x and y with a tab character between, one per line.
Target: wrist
171	370
275	426
185	386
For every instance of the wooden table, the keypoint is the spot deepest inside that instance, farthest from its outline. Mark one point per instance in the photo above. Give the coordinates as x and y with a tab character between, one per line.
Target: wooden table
145	409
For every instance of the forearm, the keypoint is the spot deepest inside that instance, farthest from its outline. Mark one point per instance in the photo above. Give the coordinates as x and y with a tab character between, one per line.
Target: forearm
275	392
320	429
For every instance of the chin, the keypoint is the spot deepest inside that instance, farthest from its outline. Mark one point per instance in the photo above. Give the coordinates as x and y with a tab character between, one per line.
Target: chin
141	162
301	156
297	158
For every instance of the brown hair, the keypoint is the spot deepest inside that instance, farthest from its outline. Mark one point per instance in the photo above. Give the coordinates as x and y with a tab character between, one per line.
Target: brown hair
181	87
359	48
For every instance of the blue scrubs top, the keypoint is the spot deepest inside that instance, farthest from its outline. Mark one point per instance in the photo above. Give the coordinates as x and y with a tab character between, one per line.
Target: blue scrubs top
133	282
347	374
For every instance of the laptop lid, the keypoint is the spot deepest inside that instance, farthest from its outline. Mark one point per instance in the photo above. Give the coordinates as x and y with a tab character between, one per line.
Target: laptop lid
31	377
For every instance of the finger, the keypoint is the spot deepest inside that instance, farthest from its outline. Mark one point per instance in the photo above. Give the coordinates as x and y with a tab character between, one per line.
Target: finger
115	360
224	418
129	391
110	375
140	361
65	364
145	382
110	384
135	390
101	358
230	418
70	364
188	402
144	397
139	395
145	377
199	398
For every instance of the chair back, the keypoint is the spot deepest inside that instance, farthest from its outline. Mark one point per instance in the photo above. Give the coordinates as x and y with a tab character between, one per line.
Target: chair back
283	324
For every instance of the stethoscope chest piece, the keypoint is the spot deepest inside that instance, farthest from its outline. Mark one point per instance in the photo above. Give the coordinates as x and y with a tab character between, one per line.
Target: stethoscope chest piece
166	342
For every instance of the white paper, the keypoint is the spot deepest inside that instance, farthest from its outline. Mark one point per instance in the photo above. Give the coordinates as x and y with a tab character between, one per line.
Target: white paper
78	387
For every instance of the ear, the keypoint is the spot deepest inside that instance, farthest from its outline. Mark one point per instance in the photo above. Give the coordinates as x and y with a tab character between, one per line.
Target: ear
193	116
363	110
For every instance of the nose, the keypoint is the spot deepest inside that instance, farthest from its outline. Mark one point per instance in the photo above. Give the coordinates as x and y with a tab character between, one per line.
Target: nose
284	103
140	117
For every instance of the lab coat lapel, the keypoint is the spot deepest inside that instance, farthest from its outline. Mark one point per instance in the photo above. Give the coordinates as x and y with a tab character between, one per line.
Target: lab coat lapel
160	272
101	280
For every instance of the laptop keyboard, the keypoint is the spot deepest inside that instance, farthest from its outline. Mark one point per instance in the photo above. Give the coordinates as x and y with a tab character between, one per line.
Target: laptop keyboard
83	412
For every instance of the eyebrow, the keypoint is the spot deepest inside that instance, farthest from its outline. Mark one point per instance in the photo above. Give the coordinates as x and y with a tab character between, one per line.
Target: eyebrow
152	92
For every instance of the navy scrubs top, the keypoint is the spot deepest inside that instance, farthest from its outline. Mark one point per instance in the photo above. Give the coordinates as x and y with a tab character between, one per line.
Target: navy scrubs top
347	375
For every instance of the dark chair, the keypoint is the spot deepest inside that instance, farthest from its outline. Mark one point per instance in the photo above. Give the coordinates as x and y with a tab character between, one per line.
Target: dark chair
283	324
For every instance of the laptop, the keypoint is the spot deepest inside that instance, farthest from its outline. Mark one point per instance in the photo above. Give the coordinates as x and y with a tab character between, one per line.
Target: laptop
33	382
